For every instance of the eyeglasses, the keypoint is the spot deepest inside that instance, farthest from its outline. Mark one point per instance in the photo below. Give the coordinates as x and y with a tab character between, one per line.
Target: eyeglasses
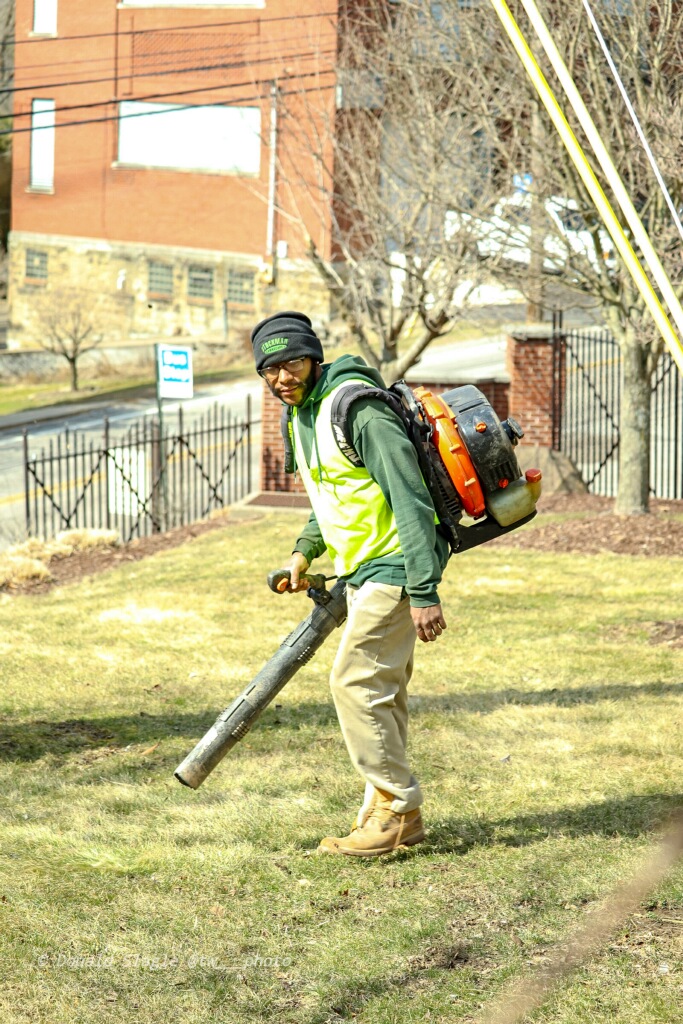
293	366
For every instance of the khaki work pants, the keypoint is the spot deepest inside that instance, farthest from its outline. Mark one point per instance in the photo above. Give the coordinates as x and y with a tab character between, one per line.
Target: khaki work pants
369	684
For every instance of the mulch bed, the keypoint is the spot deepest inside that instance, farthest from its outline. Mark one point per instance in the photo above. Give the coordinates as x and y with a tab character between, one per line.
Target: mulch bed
596	529
88	563
592	529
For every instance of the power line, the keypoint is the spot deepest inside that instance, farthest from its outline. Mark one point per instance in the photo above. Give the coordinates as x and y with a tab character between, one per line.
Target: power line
155	74
634	117
257	40
171	28
239	40
170	95
186	106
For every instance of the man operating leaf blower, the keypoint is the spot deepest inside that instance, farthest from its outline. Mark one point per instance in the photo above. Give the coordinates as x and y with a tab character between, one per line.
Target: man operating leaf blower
376	519
399	479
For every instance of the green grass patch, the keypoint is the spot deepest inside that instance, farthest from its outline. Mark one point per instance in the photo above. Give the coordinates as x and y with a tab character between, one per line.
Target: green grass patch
545	731
23	397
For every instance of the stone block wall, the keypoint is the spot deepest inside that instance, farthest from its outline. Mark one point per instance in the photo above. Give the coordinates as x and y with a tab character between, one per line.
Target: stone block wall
111	282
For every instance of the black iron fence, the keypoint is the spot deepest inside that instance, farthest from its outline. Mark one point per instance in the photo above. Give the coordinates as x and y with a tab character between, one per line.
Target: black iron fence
146	480
586	403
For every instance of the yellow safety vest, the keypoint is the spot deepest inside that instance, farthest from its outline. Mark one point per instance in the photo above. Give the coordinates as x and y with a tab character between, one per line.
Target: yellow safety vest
355	520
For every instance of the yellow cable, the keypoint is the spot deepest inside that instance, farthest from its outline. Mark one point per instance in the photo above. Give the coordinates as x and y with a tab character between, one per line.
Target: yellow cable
595	190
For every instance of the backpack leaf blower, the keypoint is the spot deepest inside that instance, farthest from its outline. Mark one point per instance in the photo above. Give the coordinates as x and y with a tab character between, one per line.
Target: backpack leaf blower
467	458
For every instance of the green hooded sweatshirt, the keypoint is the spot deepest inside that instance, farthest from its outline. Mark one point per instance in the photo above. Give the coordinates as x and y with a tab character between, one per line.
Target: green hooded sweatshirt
389	457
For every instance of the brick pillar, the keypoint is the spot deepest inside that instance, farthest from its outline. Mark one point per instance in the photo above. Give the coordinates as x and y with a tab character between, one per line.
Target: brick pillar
273	476
530	398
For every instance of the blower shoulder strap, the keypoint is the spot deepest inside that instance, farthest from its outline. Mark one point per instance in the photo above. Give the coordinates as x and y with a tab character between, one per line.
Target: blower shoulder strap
288	439
341	404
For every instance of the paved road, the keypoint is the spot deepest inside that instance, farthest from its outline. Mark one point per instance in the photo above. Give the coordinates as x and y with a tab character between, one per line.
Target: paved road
465	362
43	426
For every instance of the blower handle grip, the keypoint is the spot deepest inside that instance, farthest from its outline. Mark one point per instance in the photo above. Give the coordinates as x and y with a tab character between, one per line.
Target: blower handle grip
279	580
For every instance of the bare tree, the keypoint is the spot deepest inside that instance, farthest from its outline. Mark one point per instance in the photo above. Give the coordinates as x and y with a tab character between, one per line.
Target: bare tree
646	40
435	116
67	329
388	162
7	19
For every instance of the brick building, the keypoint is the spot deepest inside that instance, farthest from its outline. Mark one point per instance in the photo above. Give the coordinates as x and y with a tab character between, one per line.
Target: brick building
155	173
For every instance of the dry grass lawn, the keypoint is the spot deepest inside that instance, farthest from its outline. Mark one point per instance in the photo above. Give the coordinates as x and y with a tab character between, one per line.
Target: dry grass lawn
546	731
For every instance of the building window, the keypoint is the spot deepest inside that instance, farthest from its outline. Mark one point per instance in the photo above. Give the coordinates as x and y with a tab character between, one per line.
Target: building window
160	280
42	175
241	287
36	265
200	283
214	139
45	17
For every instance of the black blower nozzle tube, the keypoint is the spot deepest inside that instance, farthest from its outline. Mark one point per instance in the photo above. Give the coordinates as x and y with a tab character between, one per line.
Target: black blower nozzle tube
329	612
234	723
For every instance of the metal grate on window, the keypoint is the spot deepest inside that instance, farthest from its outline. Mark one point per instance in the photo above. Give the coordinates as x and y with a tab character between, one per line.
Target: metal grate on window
241	287
200	283
160	279
36	264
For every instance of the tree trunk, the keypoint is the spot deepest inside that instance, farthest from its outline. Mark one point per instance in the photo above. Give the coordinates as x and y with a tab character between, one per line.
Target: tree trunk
73	367
633	496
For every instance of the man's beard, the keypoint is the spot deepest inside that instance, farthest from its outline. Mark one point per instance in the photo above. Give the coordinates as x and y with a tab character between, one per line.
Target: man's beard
304	386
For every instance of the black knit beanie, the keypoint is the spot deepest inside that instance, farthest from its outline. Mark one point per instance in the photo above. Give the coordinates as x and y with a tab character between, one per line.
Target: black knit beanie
285	336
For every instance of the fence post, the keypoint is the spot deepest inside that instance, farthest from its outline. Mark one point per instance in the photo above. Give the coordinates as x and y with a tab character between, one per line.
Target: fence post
26	485
530	365
107	457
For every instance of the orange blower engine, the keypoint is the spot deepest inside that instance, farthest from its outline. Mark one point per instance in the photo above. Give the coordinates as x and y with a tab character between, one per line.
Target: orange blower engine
467	456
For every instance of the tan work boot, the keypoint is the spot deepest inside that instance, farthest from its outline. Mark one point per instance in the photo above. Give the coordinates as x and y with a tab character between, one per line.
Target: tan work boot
383	831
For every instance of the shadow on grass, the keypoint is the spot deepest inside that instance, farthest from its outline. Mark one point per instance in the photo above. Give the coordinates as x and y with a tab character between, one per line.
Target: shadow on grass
486	702
30	741
629	817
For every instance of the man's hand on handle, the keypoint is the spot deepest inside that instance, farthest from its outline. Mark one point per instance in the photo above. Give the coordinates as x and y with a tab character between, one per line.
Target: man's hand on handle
297	567
429	622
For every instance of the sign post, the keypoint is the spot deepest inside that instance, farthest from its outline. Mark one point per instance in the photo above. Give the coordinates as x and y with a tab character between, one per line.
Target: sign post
174	380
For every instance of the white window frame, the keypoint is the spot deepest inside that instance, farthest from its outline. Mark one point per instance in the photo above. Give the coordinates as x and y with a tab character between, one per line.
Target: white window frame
159	135
42	168
44	17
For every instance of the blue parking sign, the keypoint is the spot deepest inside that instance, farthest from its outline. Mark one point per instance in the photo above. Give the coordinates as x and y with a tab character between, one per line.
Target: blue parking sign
174	371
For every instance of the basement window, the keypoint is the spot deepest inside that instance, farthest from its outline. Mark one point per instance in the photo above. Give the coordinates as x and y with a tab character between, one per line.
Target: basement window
200	284
160	280
36	266
240	287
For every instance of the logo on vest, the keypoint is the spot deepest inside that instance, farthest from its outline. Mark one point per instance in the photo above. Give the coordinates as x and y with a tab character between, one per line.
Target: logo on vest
274	345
